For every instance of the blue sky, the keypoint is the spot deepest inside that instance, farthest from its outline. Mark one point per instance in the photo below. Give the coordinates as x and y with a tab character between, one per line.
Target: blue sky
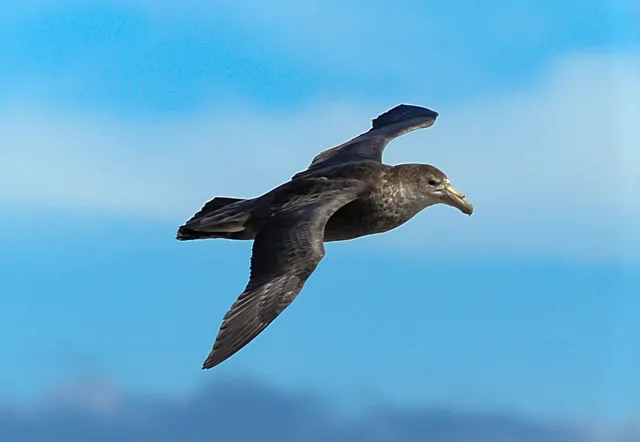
119	119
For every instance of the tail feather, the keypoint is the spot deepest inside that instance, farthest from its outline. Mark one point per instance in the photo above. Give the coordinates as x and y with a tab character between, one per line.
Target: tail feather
218	221
187	234
215	204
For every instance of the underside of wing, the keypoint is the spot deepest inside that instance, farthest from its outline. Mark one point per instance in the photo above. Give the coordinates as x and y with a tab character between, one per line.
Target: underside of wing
370	145
285	253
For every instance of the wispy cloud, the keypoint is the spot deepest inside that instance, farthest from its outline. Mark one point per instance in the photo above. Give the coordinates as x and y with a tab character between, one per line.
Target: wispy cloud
553	168
250	411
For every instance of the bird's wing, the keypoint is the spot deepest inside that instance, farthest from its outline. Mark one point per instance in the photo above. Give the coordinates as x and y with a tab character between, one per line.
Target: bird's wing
369	145
286	251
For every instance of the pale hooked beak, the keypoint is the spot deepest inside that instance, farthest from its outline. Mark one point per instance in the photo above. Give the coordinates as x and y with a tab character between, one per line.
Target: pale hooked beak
455	198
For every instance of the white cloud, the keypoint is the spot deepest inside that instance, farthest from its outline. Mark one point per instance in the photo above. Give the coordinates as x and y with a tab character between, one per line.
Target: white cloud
552	170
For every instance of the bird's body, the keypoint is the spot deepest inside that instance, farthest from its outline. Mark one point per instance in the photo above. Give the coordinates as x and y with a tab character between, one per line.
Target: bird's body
347	192
392	201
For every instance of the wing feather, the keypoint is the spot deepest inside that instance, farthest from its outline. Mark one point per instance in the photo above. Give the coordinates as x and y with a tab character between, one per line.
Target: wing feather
370	145
286	251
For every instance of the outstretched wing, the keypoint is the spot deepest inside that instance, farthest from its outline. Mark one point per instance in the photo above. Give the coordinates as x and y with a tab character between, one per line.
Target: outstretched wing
286	251
370	145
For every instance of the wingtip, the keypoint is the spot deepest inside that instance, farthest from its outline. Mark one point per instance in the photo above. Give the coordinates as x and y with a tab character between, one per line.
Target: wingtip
400	112
213	359
209	364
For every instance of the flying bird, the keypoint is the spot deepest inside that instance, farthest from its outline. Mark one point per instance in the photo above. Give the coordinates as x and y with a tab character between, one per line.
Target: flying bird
345	193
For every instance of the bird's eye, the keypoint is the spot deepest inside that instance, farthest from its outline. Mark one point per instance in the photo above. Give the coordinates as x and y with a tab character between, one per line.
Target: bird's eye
432	182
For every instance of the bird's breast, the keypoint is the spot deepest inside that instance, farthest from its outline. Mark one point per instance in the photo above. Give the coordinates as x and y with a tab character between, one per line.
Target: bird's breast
381	211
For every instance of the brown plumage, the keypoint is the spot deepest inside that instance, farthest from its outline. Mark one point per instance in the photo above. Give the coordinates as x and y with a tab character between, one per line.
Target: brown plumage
345	193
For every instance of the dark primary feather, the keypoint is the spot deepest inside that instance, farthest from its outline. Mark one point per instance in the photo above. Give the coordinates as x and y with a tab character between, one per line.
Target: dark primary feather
402	114
285	253
370	145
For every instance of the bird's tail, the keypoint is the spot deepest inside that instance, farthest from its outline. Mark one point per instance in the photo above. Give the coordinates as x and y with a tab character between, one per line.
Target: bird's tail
219	218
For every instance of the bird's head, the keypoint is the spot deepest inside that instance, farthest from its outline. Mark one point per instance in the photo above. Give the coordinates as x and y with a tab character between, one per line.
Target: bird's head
437	187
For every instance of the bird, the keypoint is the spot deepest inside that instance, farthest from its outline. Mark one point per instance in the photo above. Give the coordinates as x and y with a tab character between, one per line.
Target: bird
346	192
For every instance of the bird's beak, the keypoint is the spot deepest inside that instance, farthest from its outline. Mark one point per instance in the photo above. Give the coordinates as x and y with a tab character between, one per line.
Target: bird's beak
455	198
